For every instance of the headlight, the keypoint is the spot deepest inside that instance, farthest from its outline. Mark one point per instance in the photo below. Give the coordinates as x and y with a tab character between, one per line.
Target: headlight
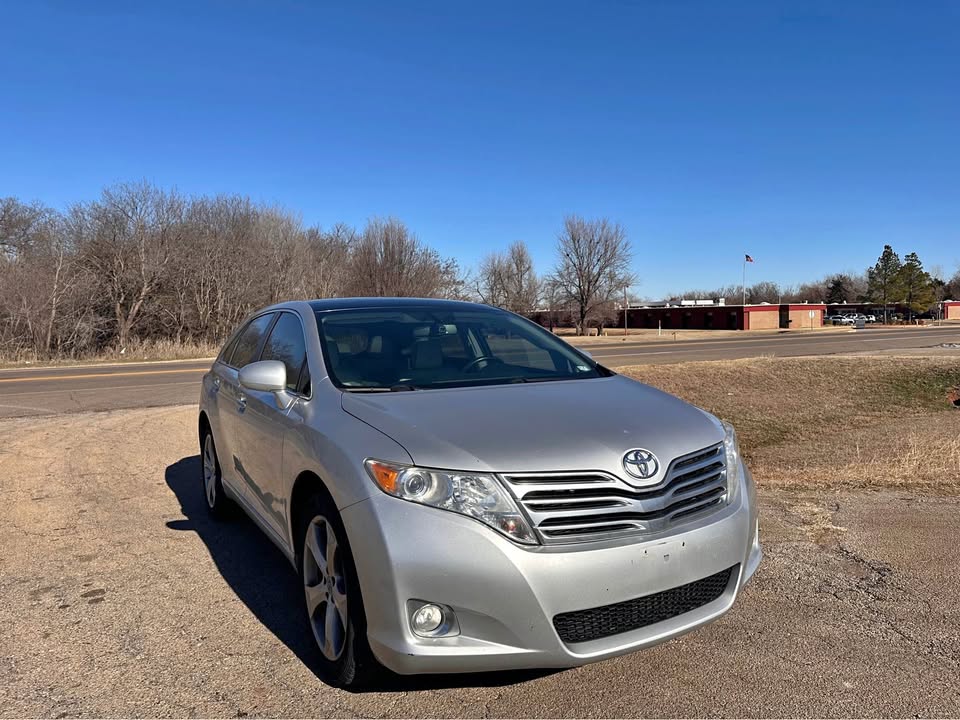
475	495
732	452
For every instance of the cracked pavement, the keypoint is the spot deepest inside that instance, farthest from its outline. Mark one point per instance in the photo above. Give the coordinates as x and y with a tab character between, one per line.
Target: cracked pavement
120	598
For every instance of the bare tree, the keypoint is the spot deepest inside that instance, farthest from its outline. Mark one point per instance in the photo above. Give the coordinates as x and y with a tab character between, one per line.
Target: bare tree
553	300
728	293
593	265
388	260
21	225
508	280
763	292
490	282
948	289
131	230
39	279
328	260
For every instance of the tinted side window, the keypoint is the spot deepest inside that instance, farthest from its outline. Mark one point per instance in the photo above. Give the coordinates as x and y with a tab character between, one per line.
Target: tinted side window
452	345
519	351
249	342
230	346
303	387
286	344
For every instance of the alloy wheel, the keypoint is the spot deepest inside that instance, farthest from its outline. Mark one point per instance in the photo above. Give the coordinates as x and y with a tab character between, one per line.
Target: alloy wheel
210	470
325	587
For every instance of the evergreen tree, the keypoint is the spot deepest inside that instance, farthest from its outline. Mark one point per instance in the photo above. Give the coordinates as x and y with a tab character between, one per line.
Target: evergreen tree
839	289
882	279
915	285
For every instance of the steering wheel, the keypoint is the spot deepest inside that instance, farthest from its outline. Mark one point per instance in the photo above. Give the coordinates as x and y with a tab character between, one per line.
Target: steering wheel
477	360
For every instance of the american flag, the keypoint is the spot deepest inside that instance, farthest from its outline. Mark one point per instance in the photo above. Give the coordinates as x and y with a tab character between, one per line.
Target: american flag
747	258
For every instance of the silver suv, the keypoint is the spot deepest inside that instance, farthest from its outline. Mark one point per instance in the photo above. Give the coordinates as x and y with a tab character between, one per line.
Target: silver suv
461	491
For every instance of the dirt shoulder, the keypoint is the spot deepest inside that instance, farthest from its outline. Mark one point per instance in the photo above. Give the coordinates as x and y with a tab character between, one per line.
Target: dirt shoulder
122	598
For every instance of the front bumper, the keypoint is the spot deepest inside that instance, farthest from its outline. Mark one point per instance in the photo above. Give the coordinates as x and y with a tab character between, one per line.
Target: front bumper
506	596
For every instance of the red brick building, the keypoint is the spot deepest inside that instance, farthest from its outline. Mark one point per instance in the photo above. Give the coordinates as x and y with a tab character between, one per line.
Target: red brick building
726	317
713	317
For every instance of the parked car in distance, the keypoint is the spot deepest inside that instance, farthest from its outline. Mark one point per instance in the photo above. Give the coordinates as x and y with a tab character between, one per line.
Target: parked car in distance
461	491
841	319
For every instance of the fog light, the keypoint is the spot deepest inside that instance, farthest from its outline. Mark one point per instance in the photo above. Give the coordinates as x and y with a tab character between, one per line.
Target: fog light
428	619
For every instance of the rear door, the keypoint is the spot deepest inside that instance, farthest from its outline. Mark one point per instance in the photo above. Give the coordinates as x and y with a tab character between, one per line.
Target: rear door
219	406
264	422
232	399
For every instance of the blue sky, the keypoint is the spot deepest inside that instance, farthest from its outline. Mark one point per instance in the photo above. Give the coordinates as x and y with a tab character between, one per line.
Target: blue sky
807	134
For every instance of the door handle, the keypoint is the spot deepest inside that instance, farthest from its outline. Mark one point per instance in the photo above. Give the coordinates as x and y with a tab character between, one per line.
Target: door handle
241	402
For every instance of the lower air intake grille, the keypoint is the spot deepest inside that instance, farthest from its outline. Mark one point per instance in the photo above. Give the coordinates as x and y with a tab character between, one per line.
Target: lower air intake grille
595	623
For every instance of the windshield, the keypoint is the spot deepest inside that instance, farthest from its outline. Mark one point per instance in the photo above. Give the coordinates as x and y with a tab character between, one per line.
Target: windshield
410	349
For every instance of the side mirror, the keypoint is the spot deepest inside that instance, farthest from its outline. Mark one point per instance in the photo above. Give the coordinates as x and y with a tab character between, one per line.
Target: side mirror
586	352
266	375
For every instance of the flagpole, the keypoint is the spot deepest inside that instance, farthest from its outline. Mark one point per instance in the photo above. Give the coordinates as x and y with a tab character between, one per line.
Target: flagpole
743	283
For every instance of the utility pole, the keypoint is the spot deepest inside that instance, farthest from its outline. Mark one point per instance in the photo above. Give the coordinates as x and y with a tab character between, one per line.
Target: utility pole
625	308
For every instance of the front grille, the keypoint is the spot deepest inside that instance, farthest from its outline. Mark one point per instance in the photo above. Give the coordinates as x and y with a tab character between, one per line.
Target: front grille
595	623
572	507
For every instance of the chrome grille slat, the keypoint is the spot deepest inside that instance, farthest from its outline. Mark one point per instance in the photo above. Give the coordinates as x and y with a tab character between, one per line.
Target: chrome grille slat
698	508
555	478
699	471
567	507
704	460
691	502
698	482
602	484
579	504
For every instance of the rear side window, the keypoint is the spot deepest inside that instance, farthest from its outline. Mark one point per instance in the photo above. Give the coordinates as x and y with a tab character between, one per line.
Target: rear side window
286	344
230	347
249	343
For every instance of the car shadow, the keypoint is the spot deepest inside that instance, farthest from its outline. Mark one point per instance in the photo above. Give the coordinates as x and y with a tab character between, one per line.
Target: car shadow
262	577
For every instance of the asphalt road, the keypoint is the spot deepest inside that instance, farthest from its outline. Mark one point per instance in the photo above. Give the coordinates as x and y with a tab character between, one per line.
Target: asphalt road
41	391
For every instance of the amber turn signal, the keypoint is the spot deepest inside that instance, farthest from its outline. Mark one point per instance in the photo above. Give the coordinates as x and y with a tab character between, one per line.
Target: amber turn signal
384	475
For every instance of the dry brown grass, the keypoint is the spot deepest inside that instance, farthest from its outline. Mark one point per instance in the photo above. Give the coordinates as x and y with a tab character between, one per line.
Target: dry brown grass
137	351
831	422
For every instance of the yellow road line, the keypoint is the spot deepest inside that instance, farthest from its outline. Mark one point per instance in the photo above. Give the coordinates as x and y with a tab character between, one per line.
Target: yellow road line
96	375
155	386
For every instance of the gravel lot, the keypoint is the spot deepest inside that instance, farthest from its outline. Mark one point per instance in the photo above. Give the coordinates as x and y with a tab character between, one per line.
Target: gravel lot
120	598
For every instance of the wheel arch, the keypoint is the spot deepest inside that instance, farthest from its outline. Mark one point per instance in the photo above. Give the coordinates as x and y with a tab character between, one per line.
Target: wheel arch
307	484
203	426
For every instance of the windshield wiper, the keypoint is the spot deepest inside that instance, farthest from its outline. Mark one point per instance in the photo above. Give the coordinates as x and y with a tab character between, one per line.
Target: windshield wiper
542	379
403	387
399	387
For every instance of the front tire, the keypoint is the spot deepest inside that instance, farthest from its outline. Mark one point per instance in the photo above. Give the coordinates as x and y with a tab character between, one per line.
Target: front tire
216	500
332	598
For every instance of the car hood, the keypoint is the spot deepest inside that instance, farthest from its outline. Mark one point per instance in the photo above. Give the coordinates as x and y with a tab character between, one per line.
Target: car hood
571	425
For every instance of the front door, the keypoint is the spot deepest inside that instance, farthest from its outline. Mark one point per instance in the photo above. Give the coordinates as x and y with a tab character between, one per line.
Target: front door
263	422
231	401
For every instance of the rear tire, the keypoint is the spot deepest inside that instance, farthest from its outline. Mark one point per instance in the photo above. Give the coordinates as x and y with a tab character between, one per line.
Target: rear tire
332	600
211	477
